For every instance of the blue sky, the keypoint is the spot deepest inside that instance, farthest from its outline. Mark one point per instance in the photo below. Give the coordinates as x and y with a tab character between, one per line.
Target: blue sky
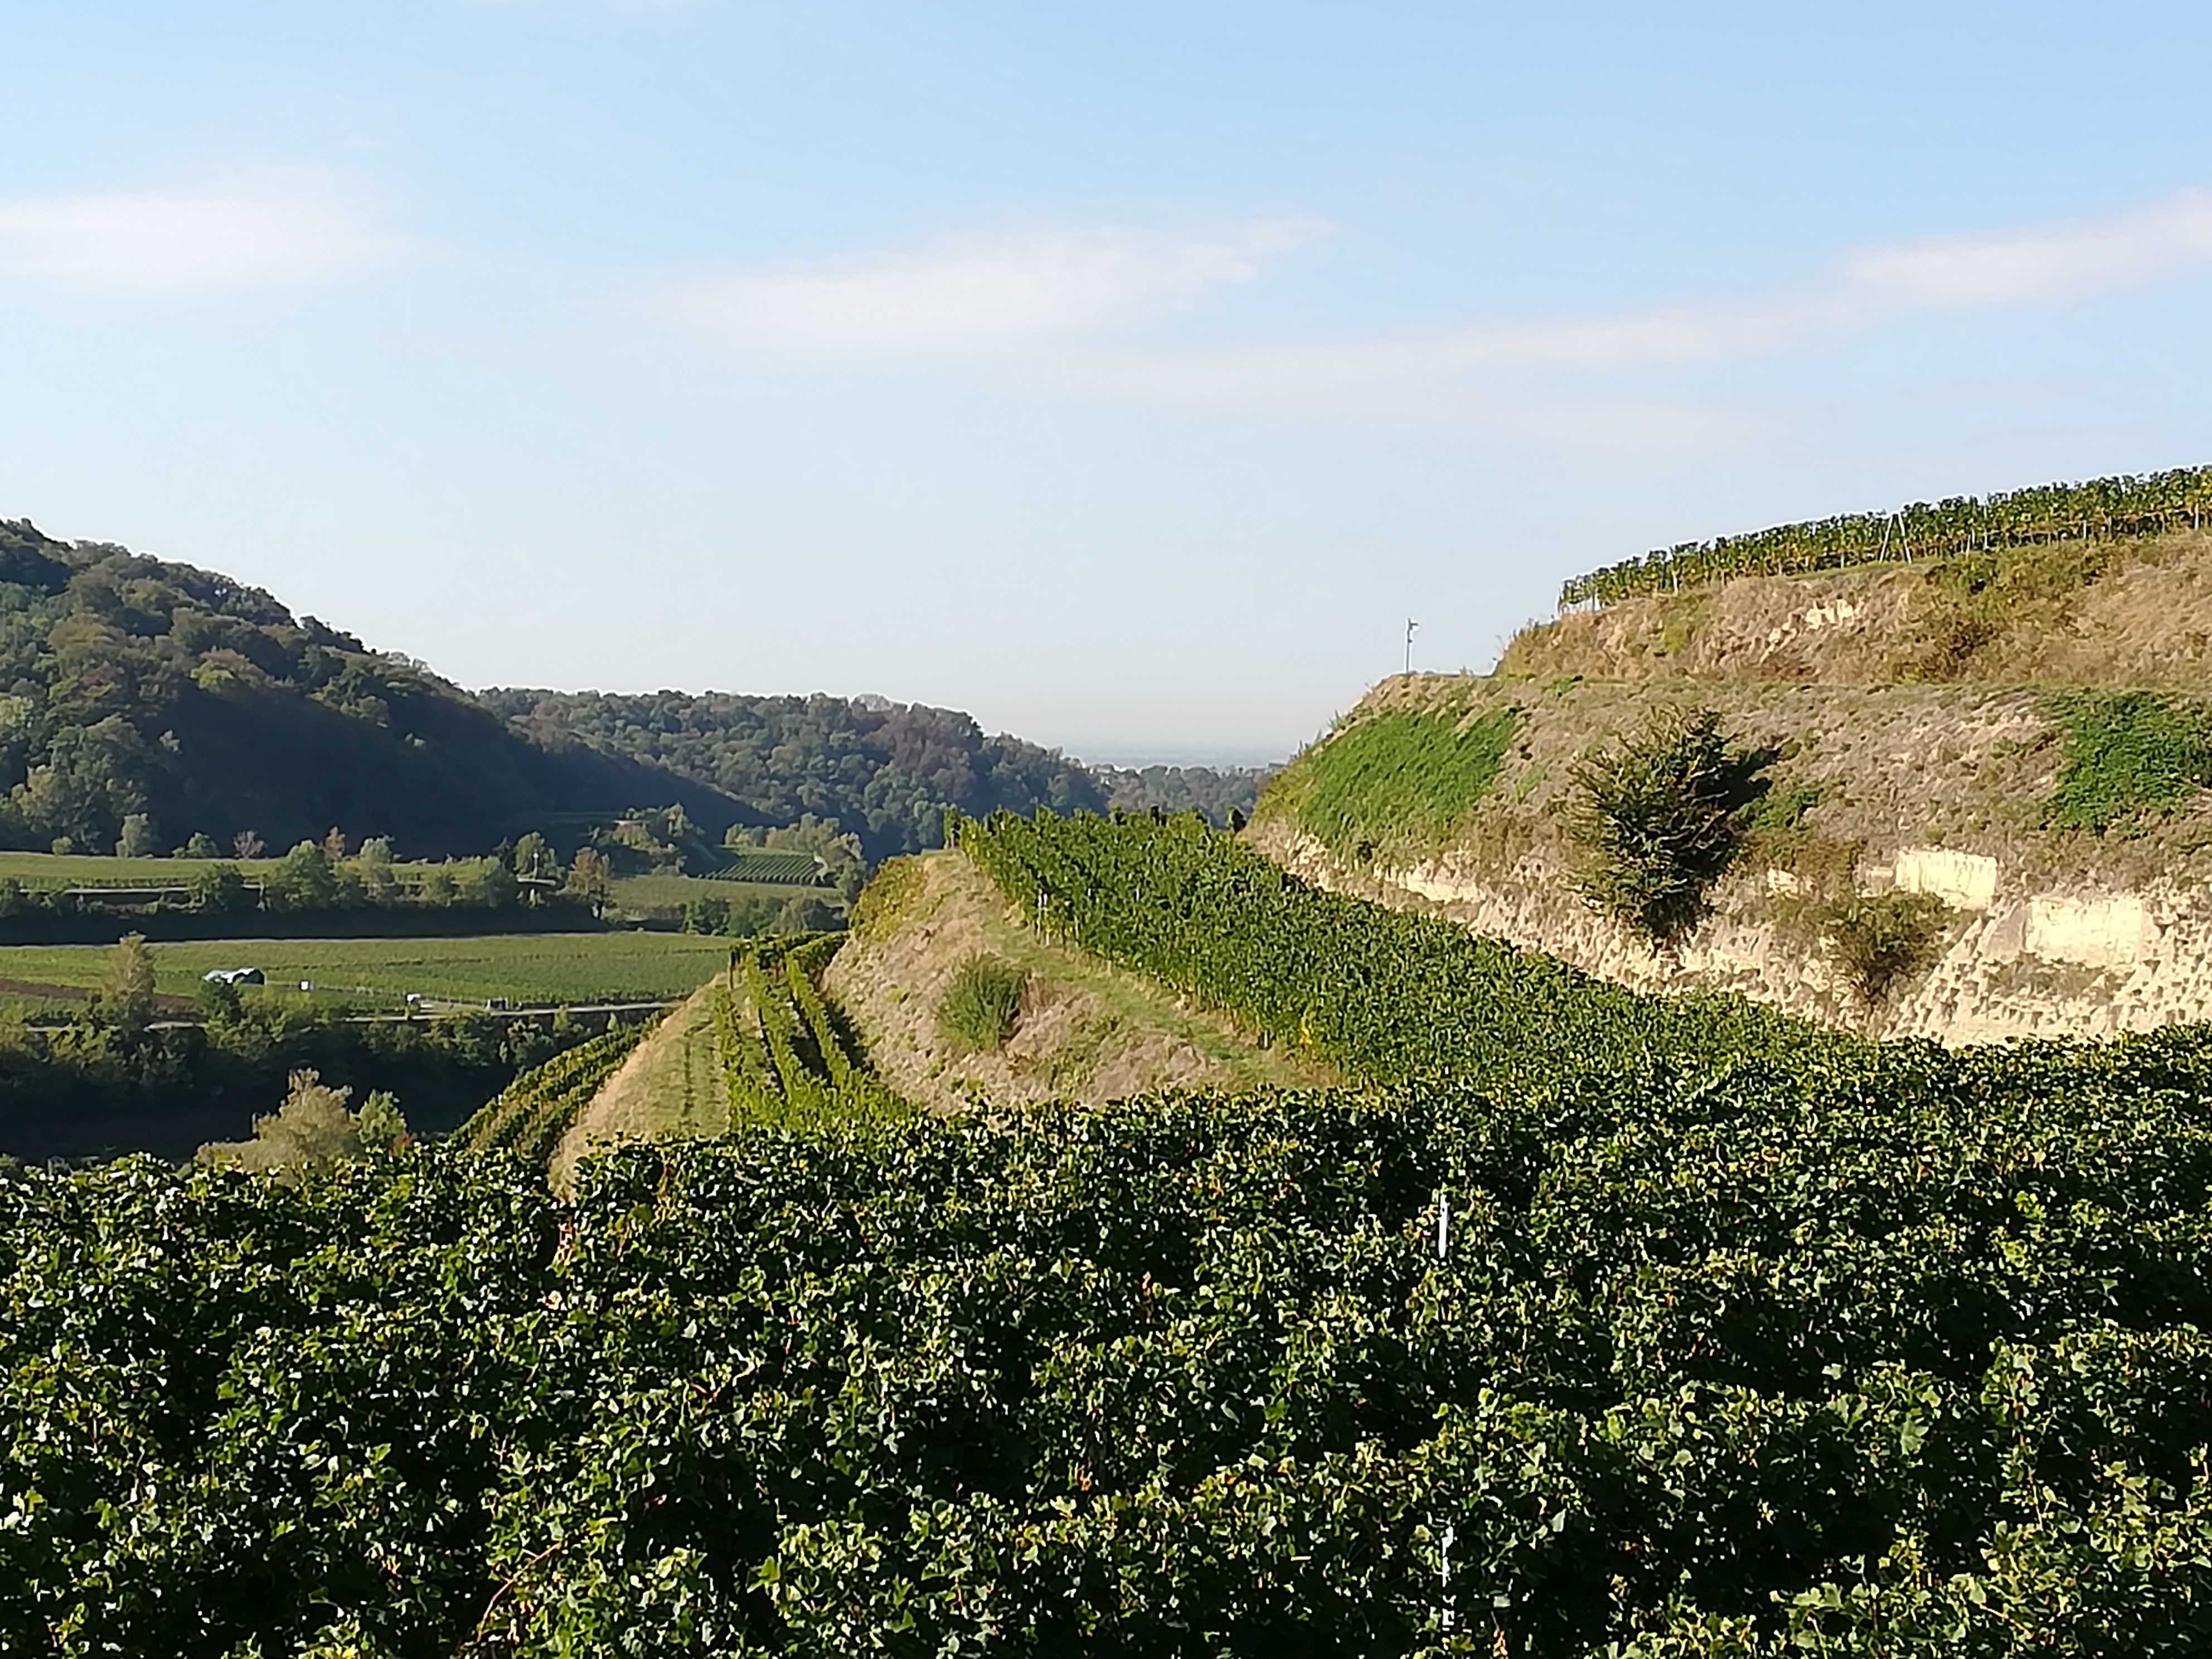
1125	374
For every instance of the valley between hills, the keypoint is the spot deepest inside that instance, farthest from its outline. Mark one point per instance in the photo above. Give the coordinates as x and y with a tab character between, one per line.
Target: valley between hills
1698	1142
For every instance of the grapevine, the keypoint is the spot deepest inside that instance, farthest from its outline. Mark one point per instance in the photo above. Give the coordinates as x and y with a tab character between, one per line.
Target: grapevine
2126	506
530	1115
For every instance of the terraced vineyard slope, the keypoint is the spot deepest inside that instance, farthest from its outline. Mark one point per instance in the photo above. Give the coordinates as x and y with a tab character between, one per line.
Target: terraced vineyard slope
1085	1032
2122	613
530	1115
790	1059
2122	508
1980	746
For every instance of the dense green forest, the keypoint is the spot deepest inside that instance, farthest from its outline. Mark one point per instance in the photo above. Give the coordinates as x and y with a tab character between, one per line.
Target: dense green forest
884	772
146	702
1212	792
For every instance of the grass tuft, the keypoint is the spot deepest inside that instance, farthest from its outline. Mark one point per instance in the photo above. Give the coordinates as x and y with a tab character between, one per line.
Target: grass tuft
981	1003
1879	941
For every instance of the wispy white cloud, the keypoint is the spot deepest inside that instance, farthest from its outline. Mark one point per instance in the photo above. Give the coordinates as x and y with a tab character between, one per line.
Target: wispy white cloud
2046	265
2052	263
976	293
277	229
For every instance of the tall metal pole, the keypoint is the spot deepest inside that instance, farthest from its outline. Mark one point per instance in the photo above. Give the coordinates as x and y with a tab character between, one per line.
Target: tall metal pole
1410	626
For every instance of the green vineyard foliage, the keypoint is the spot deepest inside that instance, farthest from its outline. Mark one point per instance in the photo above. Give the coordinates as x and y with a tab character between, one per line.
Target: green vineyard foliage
859	1094
773	868
788	1060
1384	994
804	1090
530	1115
748	1073
2126	506
1586	1324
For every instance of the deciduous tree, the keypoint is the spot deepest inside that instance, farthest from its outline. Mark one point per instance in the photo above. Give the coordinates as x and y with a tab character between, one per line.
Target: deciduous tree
307	880
126	996
138	840
590	880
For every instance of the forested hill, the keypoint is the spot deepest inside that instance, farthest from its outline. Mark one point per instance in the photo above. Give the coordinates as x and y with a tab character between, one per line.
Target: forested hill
149	702
178	702
884	772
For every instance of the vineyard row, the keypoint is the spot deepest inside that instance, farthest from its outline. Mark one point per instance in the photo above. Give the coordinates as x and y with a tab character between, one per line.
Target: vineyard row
2124	505
530	1115
788	1060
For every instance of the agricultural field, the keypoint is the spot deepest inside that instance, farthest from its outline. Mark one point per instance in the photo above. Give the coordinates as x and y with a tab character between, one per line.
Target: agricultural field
525	968
50	870
662	897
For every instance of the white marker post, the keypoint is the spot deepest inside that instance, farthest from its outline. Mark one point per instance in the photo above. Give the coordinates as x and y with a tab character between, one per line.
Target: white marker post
1443	1555
1443	1573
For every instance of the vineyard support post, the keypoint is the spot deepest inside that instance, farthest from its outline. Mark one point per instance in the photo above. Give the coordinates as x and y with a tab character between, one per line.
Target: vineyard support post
1444	1574
1443	1555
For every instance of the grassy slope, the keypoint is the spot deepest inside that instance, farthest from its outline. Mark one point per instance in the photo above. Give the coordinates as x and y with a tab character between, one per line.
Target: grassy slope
670	1087
1401	778
551	967
1087	1032
1872	768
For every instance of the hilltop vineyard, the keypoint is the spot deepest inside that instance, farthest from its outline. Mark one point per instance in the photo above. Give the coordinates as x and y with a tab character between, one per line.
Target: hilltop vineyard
1591	1325
2128	506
